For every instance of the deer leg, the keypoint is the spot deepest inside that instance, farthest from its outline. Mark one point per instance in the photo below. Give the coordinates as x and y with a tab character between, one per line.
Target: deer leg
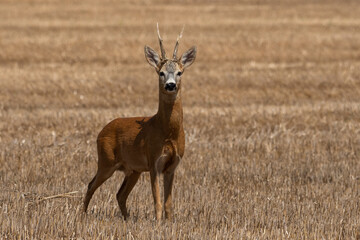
91	182
154	175
100	178
168	182
124	191
87	198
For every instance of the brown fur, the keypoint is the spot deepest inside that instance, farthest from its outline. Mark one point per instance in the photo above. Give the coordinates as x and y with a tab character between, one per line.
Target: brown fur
140	144
133	145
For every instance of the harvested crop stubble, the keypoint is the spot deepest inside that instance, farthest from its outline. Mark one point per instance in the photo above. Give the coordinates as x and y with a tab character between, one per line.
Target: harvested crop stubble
271	115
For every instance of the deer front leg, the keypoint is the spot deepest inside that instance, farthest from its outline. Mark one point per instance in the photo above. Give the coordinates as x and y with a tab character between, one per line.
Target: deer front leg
154	175
168	182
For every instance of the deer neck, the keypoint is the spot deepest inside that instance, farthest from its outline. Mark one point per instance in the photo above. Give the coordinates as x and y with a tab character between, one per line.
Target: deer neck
170	114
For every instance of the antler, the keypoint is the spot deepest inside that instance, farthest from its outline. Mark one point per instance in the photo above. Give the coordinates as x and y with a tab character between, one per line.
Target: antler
177	42
163	54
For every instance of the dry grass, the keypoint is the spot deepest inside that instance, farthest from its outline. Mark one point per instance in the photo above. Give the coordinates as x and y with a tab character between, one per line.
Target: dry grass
272	117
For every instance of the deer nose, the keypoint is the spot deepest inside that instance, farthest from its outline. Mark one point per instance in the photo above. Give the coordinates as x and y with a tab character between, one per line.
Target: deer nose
170	86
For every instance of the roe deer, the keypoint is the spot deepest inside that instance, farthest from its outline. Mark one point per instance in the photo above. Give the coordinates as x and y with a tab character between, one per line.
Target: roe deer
139	144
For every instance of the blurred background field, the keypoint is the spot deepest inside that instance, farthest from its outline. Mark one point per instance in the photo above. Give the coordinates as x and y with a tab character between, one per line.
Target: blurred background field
271	115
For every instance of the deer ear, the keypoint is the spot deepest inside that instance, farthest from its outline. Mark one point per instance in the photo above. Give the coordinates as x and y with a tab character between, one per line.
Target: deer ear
188	57
152	57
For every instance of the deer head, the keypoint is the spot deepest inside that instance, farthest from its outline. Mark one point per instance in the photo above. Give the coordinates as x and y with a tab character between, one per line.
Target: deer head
169	70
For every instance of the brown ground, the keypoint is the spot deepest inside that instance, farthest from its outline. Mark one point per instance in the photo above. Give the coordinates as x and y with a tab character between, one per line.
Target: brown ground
271	114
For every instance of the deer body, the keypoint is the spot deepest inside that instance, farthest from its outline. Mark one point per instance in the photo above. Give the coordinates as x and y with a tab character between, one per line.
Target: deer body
136	143
139	144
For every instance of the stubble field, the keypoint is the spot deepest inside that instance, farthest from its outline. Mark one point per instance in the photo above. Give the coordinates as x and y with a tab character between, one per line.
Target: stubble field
271	116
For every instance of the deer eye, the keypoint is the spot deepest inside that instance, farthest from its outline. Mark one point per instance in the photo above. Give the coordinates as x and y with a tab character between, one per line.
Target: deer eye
162	74
179	74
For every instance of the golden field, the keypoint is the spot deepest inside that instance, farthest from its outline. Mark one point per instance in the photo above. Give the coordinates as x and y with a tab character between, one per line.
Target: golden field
271	116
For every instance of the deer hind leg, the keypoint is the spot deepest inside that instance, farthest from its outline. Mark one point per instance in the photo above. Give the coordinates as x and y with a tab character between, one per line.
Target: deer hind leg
100	178
124	191
103	173
91	182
